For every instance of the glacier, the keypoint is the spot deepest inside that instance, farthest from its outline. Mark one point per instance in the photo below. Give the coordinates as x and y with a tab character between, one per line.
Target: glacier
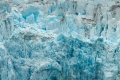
59	40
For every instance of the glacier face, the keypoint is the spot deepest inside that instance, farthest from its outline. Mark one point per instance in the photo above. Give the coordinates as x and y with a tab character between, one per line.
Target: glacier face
59	40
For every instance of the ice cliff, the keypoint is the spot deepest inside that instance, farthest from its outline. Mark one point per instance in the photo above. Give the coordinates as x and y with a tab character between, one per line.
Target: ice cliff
59	40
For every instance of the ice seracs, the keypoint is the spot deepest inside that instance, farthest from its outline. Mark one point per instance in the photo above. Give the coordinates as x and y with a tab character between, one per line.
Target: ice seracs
59	40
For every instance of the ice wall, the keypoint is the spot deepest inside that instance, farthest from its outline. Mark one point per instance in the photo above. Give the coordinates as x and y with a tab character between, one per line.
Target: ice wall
59	40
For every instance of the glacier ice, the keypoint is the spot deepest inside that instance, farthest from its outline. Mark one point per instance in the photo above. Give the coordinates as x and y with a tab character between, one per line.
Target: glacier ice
59	40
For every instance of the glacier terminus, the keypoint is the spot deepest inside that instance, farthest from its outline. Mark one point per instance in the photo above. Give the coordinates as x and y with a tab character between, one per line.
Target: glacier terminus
59	39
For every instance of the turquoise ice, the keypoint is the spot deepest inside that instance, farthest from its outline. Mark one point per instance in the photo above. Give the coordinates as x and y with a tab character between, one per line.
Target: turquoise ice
59	40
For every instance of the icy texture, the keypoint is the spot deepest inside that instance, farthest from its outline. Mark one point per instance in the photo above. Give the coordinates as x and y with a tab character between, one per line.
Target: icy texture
59	40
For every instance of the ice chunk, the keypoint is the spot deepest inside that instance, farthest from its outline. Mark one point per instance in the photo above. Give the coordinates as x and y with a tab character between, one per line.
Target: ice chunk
29	11
4	7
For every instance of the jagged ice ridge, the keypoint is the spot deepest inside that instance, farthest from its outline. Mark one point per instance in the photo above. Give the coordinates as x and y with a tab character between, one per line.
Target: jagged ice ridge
59	40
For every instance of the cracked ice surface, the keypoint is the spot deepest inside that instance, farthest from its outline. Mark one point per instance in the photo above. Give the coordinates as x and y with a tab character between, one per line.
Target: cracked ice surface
59	40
